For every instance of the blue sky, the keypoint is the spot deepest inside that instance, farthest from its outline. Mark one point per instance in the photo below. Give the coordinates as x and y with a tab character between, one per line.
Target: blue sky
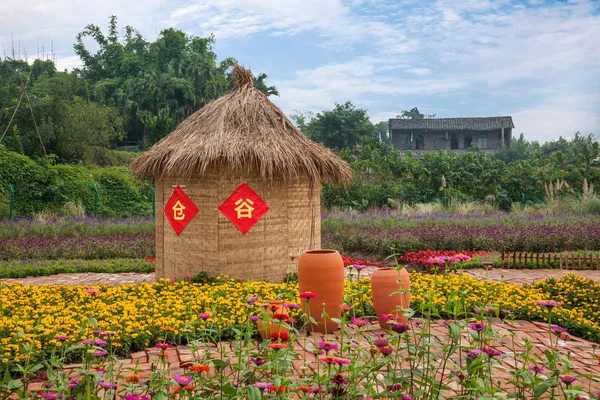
538	61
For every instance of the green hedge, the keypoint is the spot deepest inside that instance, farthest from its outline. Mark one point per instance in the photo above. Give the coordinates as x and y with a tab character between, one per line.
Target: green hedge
42	186
25	268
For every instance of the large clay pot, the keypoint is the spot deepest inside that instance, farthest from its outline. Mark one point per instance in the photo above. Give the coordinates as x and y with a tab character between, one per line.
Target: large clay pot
322	272
384	282
267	329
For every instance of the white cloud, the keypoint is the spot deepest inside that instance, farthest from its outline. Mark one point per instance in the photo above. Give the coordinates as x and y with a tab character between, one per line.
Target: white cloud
469	57
548	123
419	71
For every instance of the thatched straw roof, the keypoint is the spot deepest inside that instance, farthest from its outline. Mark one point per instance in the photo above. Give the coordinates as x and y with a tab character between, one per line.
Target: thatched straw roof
244	131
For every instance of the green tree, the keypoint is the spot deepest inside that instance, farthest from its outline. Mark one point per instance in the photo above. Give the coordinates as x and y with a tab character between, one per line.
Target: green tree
414	113
341	128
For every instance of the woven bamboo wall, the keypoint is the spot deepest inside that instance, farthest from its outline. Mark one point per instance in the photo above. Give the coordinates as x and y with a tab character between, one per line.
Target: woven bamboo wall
213	244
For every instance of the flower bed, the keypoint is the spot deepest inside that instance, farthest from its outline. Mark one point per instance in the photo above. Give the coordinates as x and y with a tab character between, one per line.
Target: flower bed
33	267
42	328
426	258
85	247
383	234
355	261
141	314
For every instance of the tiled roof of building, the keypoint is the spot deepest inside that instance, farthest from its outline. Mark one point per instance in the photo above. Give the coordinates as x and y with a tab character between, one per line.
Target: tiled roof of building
450	124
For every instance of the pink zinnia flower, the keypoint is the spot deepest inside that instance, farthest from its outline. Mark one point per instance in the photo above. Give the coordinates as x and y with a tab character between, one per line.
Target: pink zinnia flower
567	379
254	318
327	346
62	338
386	350
308	295
183	380
558	329
100	342
100	353
291	306
346	307
87	342
204	316
107	385
253	299
399	327
549	304
477	326
474	353
93	292
163	346
491	352
359	321
380	342
536	368
388	317
51	395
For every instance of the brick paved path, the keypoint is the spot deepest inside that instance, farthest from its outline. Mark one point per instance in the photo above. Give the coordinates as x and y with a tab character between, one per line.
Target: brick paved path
580	352
495	274
86	279
528	276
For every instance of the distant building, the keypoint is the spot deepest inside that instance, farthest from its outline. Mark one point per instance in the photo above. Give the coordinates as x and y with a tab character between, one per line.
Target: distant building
488	133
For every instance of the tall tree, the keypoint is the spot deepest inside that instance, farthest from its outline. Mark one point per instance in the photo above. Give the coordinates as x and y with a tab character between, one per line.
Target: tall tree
414	113
155	85
341	128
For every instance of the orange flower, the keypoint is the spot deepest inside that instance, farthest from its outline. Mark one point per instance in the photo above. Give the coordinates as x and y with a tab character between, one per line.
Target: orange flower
200	368
276	389
135	378
277	346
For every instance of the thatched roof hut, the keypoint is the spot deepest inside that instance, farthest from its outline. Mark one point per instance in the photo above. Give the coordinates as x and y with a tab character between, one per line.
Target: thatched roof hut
240	137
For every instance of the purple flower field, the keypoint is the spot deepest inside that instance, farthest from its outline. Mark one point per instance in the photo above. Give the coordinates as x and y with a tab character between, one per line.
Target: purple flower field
84	247
385	233
378	233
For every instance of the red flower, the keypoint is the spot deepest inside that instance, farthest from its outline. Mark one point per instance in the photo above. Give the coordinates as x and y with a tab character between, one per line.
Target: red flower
280	337
281	317
355	261
422	257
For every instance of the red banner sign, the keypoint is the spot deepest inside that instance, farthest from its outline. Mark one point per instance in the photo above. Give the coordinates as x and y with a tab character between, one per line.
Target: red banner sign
180	210
244	208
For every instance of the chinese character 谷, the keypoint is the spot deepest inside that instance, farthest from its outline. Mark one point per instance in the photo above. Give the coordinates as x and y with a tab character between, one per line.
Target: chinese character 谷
244	208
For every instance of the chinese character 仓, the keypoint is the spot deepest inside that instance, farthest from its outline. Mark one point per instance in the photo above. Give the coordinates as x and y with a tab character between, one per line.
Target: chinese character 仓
178	214
244	208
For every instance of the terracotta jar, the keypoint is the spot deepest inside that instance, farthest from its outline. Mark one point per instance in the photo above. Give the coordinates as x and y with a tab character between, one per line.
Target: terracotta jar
384	282
267	329
322	273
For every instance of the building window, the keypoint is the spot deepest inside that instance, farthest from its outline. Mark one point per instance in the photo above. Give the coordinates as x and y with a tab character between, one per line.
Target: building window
468	140
454	141
405	141
440	142
482	141
420	142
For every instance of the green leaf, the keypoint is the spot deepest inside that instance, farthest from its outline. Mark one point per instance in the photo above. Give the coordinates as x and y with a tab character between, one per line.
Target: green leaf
14	384
542	387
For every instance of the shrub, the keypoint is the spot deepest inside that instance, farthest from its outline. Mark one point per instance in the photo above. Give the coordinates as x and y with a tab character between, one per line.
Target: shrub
25	268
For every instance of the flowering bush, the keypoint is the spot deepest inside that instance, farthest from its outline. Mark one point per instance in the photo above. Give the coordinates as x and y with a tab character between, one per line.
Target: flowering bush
355	261
424	258
474	360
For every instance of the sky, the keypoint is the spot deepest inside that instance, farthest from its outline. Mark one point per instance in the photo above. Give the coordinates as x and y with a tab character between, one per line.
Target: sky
537	61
